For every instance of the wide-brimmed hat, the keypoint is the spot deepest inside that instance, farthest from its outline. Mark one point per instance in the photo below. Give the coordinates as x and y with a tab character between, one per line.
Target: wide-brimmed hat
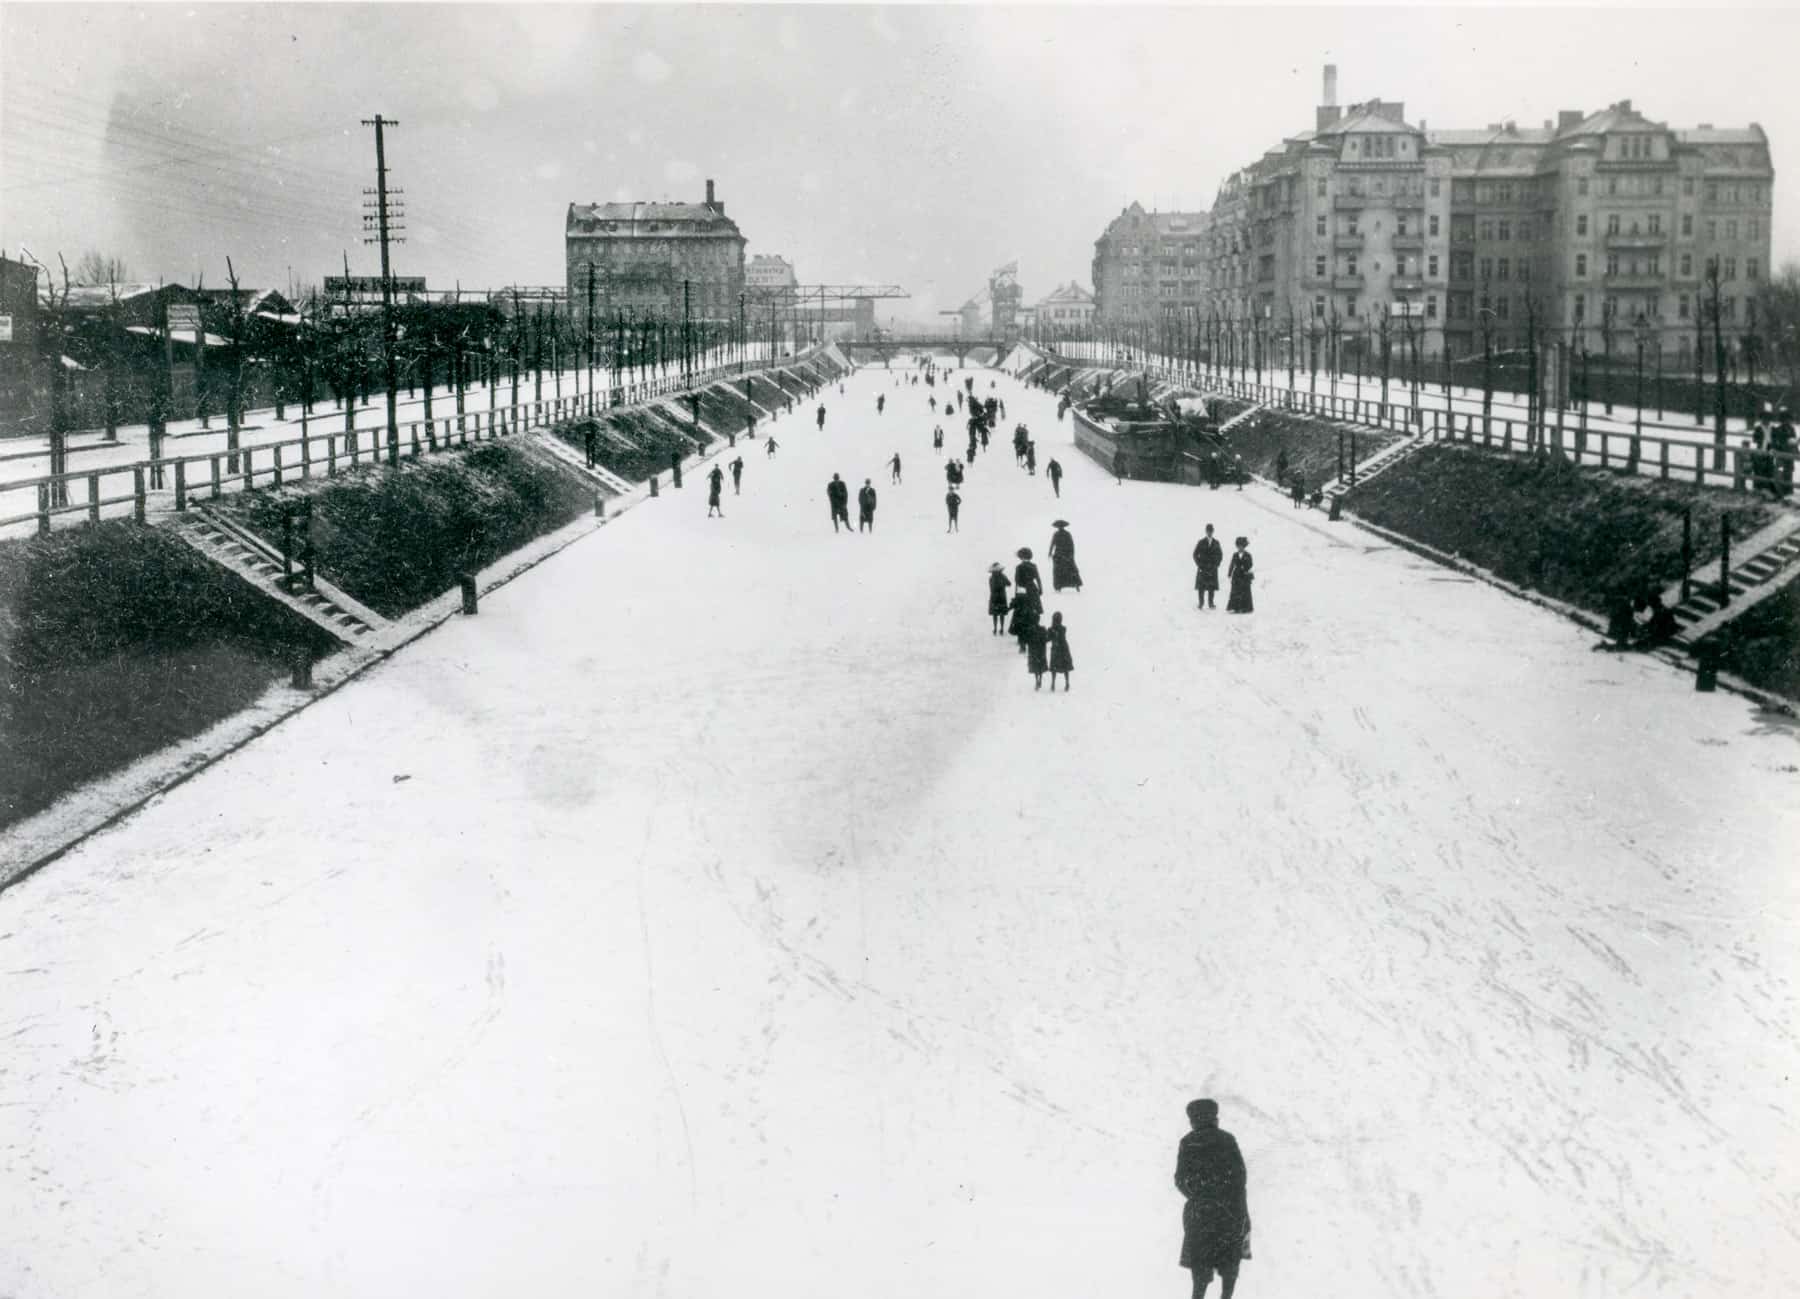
1059	523
1024	552
994	568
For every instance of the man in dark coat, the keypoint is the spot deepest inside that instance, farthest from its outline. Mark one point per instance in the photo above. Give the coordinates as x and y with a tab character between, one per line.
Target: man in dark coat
737	474
865	507
1215	1222
1055	472
1208	555
821	416
837	491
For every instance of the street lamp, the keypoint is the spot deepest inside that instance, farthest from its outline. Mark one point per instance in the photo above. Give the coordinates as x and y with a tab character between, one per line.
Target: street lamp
1642	333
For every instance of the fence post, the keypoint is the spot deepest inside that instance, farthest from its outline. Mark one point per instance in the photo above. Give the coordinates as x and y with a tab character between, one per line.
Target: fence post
1663	460
217	488
305	457
43	509
93	498
277	450
1724	560
1687	551
1507	445
180	486
137	492
1737	470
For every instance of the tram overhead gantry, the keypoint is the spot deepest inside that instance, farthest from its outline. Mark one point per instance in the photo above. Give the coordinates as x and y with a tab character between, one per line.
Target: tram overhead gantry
795	311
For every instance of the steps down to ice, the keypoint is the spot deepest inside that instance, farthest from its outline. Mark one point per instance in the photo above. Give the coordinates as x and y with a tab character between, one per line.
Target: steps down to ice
1377	464
1771	560
569	458
1241	417
256	562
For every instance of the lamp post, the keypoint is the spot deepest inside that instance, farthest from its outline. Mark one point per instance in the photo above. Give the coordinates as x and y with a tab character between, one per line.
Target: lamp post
1642	334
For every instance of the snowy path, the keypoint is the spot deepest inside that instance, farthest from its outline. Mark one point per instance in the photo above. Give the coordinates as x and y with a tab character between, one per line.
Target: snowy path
744	924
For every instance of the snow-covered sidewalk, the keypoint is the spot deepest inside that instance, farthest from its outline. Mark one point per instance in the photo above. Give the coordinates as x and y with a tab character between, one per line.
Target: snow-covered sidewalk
721	912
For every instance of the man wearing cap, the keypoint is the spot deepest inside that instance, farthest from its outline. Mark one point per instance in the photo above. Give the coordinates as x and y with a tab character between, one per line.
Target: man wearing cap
1215	1222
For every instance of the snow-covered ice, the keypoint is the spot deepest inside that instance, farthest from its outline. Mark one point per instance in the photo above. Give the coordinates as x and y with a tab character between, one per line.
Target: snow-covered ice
721	912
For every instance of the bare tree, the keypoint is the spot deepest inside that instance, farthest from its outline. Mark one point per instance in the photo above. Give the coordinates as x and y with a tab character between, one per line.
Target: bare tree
96	268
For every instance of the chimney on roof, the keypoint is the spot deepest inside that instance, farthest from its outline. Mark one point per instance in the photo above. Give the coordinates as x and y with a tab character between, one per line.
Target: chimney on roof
1330	100
1624	105
1568	119
1328	113
712	202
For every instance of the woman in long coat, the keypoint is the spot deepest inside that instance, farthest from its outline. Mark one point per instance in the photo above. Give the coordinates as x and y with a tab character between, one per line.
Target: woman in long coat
997	601
1060	658
1035	640
1239	572
1027	608
1025	573
1062	558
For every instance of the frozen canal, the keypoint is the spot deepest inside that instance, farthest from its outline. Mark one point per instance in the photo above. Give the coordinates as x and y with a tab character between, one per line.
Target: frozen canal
721	913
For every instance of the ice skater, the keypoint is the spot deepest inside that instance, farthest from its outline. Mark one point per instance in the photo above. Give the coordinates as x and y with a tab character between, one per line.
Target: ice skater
737	474
837	492
997	600
952	507
1215	1221
880	403
822	416
1054	470
1060	658
715	485
1063	571
1208	555
865	507
1031	458
769	448
1240	575
894	464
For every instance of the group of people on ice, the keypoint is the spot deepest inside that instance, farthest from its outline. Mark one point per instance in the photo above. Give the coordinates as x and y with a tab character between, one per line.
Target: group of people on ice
1208	556
837	495
1046	649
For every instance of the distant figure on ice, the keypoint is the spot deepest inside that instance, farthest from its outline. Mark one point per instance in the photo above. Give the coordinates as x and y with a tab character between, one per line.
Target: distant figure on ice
1060	658
715	485
937	438
1036	642
1215	1221
894	464
865	507
1002	410
880	403
1281	466
959	403
1031	458
1241	576
769	448
837	491
932	401
1299	492
1055	472
1118	466
1208	556
821	417
952	505
984	435
1062	558
750	427
737	474
997	601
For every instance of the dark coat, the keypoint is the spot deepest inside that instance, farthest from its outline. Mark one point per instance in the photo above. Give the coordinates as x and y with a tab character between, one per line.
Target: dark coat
997	601
1241	575
952	502
1055	470
865	500
1062	561
1060	658
1208	555
838	493
1026	610
1025	577
1035	641
1209	1172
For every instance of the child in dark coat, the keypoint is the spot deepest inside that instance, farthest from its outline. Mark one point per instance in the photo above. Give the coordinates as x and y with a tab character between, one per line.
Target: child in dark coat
1060	658
997	601
1035	641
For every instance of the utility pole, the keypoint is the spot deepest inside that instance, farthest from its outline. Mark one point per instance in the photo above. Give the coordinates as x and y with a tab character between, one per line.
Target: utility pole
386	224
590	337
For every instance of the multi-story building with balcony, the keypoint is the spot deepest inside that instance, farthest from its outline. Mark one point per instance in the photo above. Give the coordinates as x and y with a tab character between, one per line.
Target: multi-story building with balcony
1066	312
1149	267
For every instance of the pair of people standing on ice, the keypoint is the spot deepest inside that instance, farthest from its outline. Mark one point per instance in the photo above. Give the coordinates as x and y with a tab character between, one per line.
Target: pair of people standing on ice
1207	556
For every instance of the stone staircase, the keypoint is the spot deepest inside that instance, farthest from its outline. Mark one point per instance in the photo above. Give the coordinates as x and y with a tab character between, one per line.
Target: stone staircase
1772	561
258	563
1377	464
569	458
1242	416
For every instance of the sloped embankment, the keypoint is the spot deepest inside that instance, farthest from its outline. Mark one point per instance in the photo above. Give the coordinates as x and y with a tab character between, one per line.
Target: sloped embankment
115	640
397	537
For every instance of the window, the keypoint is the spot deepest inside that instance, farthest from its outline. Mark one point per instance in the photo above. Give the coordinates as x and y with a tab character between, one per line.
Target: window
1656	223
1687	265
1581	266
1434	187
1612	184
1434	222
1502	307
1319	226
1656	264
1319	266
1486	228
1524	269
1487	268
1580	307
1524	230
1712	229
1505	231
1431	307
1319	187
1655	312
1612	265
1750	269
1581	224
1730	311
1318	308
1730	272
1431	266
1712	191
1756	227
1462	266
1612	223
1581	186
1400	226
1687	186
1350	305
1681	306
1731	229
1486	303
1505	268
1350	264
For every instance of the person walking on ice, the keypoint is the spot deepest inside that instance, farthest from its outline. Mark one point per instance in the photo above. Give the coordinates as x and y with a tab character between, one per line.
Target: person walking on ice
1063	571
837	492
821	417
1215	1221
937	438
894	464
715	484
865	507
1054	470
1208	555
880	403
952	506
1060	659
769	448
1036	641
1241	576
997	599
737	474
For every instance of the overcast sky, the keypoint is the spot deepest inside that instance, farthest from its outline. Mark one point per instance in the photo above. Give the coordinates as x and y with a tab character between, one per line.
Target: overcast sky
917	145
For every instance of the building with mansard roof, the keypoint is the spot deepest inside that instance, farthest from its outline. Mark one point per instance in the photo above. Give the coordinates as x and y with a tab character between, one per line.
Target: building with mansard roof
1148	265
648	258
